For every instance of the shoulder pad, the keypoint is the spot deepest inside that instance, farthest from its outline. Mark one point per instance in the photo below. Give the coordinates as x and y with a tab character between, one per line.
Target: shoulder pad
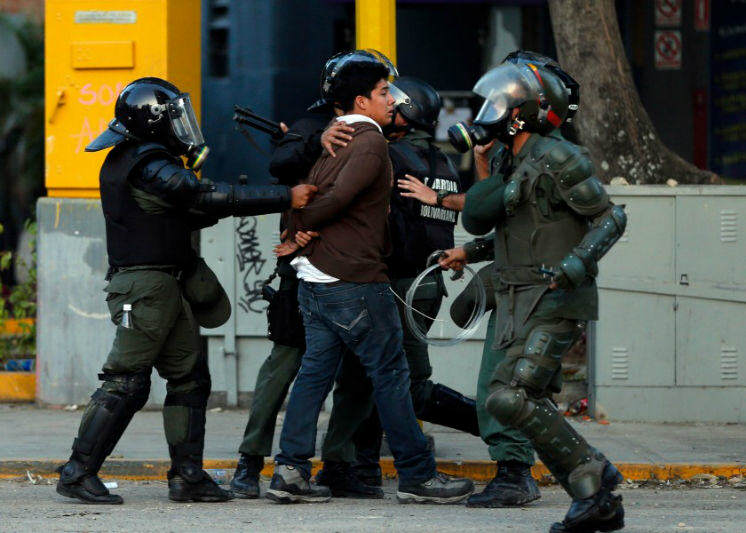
567	163
587	197
406	158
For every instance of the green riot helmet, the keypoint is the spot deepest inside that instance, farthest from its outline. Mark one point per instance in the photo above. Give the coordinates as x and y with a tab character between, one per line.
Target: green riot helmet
539	96
547	63
424	104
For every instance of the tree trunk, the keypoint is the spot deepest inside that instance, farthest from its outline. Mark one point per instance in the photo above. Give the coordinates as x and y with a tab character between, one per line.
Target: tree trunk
612	123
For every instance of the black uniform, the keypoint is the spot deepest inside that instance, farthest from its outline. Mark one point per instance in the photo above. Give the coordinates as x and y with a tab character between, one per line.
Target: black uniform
151	204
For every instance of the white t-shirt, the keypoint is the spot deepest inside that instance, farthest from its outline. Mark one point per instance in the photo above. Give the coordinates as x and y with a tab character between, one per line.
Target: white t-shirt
308	272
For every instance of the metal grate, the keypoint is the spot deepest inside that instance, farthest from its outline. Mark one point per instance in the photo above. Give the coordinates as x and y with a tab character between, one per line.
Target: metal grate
619	363
728	363
728	225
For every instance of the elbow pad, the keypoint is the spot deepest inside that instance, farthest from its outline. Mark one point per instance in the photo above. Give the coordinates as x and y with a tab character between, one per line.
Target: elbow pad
482	249
167	180
223	200
604	233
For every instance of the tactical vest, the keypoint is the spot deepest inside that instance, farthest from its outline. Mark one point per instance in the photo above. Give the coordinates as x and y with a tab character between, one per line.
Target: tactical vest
417	230
539	229
134	237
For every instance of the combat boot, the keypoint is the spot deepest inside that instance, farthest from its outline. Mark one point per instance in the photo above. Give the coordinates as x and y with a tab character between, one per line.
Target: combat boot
449	408
512	486
343	483
371	475
245	482
441	488
288	485
189	483
75	482
601	512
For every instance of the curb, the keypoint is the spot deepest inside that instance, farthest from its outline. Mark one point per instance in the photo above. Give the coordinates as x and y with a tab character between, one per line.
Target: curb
156	469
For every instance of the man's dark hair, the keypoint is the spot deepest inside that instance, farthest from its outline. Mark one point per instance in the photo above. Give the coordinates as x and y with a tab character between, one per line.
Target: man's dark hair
355	79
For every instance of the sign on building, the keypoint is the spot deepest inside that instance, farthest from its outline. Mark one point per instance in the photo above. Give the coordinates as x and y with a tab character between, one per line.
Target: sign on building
668	13
667	50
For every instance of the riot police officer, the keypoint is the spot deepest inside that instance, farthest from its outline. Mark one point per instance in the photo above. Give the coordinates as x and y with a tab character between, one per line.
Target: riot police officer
158	286
424	212
553	222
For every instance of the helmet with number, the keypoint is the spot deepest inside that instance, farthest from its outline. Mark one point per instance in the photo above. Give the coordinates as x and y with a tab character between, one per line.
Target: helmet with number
338	62
537	93
152	109
573	87
424	104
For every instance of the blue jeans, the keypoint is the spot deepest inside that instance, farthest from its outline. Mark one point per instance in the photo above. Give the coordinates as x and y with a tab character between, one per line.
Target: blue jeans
362	317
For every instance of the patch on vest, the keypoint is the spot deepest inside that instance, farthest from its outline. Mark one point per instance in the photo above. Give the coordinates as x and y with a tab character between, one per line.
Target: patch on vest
436	212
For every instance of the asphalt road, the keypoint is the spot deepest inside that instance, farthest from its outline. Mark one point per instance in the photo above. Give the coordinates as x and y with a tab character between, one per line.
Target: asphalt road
27	507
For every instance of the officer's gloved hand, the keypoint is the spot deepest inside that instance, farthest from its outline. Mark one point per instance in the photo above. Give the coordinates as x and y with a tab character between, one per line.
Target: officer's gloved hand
570	273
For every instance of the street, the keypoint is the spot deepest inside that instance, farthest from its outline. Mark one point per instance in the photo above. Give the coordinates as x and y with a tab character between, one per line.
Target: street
28	507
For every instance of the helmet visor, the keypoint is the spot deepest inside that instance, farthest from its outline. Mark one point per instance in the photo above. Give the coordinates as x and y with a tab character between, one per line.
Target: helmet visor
400	97
503	88
184	121
393	72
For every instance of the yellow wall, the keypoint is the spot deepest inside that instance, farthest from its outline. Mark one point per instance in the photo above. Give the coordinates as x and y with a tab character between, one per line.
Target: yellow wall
375	26
89	60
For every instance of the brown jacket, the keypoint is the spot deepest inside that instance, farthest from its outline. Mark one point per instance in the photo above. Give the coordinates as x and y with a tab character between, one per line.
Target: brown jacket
350	210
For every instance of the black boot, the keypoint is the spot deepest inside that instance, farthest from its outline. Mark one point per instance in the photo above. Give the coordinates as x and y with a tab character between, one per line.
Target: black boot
185	431
512	486
601	512
104	420
74	482
371	475
189	483
343	483
449	408
245	482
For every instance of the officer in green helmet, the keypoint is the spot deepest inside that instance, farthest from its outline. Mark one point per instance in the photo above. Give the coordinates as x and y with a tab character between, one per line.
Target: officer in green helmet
552	222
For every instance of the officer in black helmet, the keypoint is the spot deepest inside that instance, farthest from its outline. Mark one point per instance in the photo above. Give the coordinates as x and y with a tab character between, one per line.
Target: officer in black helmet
424	212
159	289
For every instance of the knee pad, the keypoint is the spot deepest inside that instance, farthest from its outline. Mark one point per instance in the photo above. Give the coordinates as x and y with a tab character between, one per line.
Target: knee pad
133	389
508	405
542	356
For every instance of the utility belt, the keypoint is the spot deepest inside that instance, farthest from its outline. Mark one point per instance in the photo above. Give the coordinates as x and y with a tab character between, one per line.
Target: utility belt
175	271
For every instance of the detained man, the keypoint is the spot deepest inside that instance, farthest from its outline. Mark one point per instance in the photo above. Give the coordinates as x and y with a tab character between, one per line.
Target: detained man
346	300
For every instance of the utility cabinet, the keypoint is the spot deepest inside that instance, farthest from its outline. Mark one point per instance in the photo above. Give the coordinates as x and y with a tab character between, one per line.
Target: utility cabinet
670	343
92	50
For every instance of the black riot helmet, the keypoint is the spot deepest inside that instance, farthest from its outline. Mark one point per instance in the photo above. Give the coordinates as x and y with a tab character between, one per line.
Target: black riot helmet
538	94
424	103
337	63
152	109
547	63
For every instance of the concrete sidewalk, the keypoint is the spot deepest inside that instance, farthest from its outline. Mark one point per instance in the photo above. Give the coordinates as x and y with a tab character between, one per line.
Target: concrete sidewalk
40	438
